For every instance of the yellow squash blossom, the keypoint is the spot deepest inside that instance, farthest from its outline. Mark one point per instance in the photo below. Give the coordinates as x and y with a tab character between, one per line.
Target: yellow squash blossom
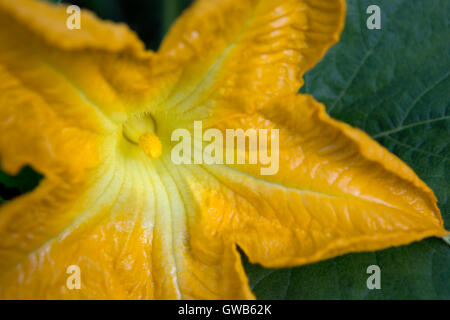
93	111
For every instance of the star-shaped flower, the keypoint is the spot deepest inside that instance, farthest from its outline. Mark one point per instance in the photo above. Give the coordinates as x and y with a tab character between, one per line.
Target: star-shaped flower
94	112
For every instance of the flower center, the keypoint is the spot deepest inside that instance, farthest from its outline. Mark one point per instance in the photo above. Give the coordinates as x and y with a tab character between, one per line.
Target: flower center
140	130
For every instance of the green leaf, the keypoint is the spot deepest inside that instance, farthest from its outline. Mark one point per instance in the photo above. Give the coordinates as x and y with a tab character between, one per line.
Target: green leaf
392	83
12	186
170	12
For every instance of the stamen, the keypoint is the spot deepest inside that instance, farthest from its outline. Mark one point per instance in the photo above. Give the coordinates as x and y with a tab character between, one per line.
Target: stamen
151	145
141	131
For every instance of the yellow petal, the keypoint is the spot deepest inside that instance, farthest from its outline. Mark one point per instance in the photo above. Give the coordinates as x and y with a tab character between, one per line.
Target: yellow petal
131	240
103	63
47	120
336	191
58	135
245	52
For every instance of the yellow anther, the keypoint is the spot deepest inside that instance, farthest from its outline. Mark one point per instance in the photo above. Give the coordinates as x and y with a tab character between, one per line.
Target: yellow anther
151	145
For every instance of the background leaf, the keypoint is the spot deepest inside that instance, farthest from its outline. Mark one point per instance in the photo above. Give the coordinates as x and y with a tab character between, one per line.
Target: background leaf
13	186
